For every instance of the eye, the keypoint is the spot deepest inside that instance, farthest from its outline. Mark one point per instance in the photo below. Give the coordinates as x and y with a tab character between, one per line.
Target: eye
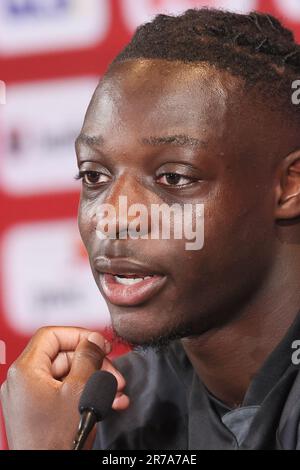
175	179
92	178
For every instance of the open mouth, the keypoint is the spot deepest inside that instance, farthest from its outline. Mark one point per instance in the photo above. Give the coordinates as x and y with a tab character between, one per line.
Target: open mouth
131	279
130	289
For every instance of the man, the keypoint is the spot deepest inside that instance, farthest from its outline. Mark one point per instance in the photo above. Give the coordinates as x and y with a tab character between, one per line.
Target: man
196	109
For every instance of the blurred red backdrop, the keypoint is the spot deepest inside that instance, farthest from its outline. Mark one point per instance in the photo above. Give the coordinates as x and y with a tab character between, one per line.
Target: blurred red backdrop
52	53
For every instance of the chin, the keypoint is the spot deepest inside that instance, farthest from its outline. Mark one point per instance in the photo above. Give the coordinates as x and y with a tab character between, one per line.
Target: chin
131	329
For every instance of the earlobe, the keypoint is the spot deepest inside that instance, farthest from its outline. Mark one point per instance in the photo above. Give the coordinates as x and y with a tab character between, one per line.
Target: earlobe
288	188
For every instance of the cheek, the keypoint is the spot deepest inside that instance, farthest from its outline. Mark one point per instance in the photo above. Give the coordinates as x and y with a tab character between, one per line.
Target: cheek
237	244
86	221
239	241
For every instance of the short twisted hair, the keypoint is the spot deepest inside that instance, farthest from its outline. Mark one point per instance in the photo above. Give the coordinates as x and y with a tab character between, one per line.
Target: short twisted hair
256	47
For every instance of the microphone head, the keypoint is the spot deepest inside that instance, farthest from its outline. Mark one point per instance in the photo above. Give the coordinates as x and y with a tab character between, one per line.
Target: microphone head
98	394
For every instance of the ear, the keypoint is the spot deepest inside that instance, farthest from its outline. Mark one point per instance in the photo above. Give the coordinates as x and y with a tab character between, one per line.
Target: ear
288	188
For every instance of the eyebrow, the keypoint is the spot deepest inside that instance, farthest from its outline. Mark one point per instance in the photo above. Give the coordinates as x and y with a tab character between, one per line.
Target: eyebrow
178	140
89	140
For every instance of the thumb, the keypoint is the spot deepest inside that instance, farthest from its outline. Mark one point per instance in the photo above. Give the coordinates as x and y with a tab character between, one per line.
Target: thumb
88	357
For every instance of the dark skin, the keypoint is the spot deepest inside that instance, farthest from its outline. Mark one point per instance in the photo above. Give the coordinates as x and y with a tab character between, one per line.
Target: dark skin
234	300
231	302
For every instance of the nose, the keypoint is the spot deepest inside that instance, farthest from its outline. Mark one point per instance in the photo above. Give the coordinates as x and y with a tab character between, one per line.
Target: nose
126	210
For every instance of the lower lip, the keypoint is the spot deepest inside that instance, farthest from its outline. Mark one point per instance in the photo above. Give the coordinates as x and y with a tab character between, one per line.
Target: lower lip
136	294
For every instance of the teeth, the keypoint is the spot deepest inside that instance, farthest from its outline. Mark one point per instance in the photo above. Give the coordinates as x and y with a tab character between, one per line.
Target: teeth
126	281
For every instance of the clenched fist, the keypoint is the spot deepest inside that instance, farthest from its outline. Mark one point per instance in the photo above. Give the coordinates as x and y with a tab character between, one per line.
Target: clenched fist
41	394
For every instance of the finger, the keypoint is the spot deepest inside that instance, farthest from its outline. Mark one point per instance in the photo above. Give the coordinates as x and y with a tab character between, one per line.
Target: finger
61	365
88	357
121	401
109	367
48	342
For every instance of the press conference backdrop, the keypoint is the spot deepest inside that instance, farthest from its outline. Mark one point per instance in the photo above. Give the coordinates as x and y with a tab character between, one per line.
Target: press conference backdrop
52	53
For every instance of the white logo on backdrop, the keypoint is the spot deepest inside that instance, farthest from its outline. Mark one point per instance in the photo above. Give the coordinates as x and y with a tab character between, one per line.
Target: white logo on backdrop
2	92
48	280
138	12
39	125
30	26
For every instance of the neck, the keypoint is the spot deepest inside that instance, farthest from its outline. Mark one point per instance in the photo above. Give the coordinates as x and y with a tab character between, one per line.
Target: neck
228	358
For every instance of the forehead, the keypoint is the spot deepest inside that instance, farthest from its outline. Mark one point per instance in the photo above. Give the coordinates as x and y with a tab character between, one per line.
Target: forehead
142	98
163	96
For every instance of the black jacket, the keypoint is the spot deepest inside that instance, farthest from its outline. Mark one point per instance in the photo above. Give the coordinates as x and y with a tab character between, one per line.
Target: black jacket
172	410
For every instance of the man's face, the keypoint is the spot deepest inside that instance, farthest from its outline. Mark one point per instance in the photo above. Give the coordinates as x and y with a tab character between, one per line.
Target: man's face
164	132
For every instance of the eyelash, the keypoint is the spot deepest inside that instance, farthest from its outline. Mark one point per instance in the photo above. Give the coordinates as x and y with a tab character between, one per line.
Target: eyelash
79	176
82	174
191	180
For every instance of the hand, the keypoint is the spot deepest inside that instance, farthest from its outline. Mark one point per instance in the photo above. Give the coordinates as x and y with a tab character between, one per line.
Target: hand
41	394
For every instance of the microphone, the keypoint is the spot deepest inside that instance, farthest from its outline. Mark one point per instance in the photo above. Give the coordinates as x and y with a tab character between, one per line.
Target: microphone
94	404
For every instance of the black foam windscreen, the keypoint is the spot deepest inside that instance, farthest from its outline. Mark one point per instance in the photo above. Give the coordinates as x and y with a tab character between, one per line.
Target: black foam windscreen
98	394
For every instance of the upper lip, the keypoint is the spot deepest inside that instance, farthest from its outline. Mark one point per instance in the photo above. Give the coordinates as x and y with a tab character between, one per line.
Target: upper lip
123	266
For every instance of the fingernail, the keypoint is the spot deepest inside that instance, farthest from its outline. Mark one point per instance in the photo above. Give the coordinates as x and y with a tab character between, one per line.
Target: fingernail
97	339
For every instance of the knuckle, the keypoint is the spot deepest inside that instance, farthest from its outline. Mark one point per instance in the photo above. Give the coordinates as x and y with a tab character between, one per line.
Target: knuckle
42	330
17	371
13	372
